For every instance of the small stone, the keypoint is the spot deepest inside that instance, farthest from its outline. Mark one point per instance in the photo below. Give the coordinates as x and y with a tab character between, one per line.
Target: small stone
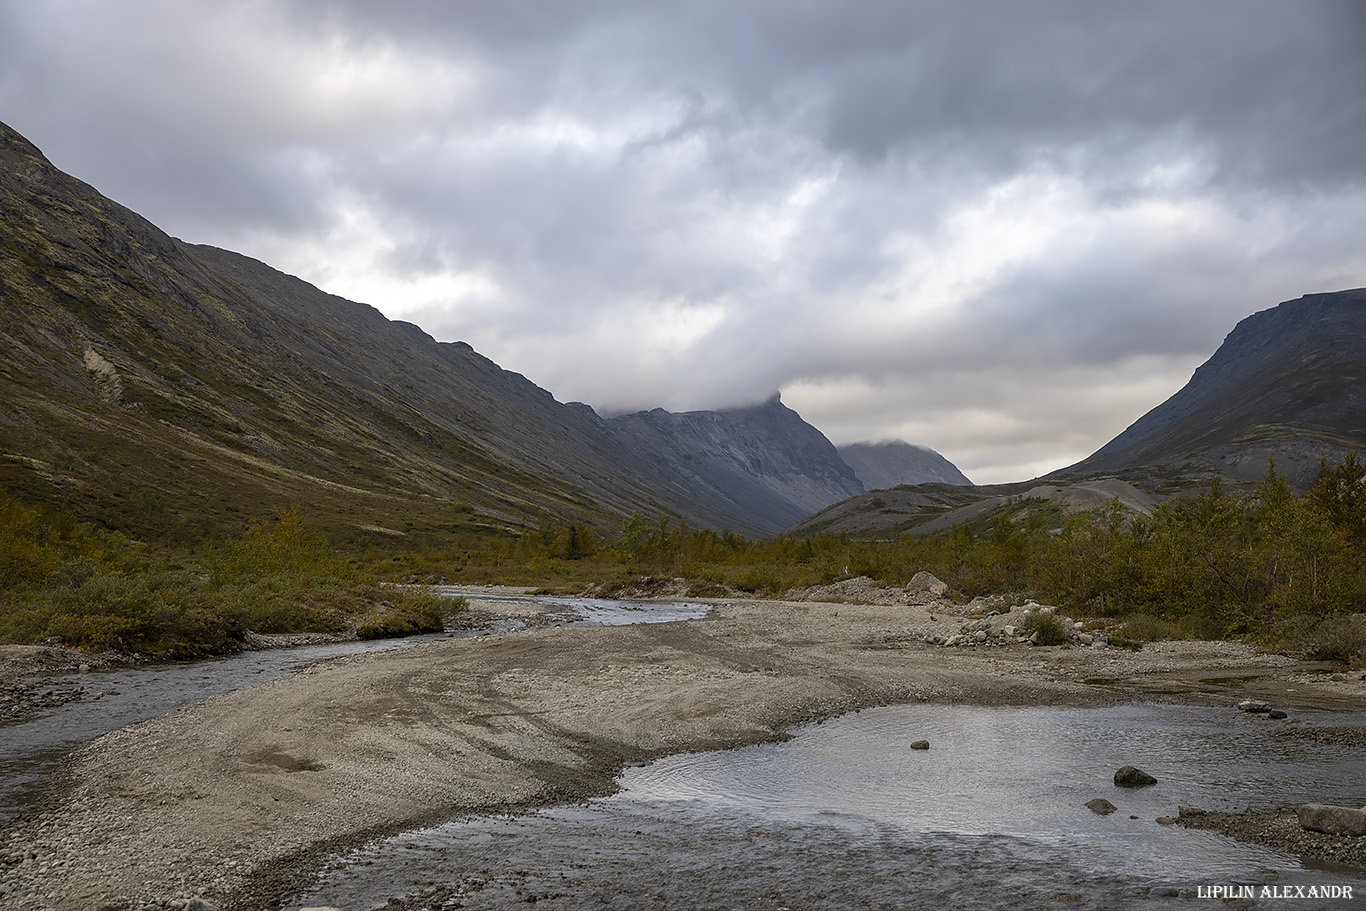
1011	631
980	635
1166	820
1256	706
1085	639
1277	714
920	744
1130	777
1188	812
1101	807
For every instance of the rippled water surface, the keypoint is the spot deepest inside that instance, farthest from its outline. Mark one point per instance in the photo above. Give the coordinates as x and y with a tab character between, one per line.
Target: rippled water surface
846	815
32	748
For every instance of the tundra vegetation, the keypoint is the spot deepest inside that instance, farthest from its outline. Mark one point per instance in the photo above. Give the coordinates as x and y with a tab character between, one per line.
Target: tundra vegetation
1265	564
62	582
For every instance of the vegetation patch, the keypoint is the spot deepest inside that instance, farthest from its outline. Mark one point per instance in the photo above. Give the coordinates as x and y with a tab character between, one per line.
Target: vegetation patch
65	583
1048	627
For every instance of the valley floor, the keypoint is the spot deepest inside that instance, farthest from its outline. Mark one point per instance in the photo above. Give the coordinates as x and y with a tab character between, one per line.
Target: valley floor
240	798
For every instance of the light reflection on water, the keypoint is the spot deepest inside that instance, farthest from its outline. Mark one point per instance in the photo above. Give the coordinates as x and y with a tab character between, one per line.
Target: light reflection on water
846	808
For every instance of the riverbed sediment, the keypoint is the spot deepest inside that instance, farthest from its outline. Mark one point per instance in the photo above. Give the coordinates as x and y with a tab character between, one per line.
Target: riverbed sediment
238	799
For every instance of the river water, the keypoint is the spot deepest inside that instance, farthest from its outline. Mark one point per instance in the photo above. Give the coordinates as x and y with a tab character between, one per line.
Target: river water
33	748
845	815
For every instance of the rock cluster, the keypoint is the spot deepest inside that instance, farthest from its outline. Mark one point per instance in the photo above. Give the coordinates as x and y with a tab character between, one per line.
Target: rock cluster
18	700
1258	707
923	589
1012	627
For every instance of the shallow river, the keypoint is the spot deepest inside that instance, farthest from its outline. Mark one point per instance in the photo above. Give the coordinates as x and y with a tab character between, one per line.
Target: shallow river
844	815
33	748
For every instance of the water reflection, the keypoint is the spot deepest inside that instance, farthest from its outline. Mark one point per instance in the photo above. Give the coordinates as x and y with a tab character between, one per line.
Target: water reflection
846	814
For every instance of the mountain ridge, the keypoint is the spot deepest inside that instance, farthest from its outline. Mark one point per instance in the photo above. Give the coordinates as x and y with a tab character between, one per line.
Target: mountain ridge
892	463
161	386
1288	382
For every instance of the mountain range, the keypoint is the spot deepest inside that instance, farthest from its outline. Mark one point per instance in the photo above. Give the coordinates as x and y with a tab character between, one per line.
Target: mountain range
177	389
181	391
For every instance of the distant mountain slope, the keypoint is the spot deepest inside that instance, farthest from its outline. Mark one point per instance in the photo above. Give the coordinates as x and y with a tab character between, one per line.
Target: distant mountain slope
176	389
892	463
1288	382
764	458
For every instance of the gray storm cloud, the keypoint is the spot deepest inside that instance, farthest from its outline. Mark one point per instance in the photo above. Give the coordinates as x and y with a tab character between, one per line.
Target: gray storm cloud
1003	230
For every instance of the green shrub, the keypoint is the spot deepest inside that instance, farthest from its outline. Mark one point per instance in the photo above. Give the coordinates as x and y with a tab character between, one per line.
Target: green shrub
1050	628
1151	628
1337	639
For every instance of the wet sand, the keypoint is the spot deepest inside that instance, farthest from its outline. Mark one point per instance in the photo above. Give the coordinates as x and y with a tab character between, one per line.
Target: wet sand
240	798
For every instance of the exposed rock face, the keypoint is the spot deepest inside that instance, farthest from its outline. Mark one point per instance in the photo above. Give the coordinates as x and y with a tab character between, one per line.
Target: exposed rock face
1288	382
145	373
764	458
893	463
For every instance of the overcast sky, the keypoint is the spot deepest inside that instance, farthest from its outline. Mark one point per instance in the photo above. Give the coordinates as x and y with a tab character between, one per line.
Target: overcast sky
1004	230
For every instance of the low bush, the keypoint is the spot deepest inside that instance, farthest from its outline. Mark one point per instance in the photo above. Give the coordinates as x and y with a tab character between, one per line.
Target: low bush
1048	626
1337	639
68	584
1151	628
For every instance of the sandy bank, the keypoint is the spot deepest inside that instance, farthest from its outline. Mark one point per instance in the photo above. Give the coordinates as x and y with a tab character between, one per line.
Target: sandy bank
237	798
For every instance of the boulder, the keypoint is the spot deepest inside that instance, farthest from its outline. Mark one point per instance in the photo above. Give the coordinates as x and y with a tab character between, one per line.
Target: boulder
925	582
1277	714
1320	817
1101	807
1085	639
920	744
1130	777
1256	706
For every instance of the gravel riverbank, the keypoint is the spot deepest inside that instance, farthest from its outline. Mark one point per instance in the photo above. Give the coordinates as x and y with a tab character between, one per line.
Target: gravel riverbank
238	799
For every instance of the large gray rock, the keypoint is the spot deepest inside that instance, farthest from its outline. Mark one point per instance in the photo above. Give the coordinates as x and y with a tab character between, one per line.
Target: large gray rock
926	582
1321	817
1130	777
1101	806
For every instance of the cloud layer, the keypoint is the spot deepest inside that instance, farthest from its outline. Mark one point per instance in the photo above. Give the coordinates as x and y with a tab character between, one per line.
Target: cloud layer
1002	230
